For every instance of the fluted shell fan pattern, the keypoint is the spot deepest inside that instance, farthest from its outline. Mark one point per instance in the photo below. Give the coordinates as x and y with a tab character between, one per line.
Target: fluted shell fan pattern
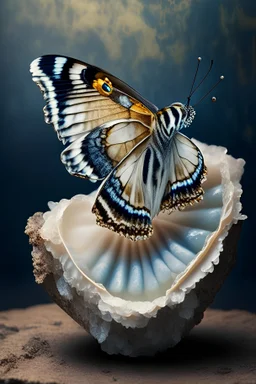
145	270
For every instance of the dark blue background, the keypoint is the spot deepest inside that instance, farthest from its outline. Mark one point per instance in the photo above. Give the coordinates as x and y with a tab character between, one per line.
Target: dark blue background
151	45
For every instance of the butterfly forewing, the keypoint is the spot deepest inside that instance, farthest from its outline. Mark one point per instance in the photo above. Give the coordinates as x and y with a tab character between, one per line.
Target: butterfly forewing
76	101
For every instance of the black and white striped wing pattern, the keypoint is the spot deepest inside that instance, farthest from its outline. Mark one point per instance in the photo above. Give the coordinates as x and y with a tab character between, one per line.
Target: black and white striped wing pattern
80	97
187	172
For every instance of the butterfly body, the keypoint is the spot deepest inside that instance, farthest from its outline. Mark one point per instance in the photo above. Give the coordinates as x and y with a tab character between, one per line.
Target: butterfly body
114	135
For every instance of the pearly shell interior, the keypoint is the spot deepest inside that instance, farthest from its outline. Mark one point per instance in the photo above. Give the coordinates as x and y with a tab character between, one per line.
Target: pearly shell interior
143	270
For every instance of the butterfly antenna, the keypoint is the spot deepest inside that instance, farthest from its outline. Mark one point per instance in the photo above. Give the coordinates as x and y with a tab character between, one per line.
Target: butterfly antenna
203	79
193	83
213	98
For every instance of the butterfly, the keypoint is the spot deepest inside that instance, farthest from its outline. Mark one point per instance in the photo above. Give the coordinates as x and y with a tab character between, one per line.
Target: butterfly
114	135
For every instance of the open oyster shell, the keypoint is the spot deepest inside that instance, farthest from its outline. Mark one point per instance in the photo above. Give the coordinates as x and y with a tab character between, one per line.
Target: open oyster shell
137	298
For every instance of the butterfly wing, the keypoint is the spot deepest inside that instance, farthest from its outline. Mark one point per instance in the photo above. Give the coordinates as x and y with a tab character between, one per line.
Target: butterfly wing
95	154
80	97
122	203
187	172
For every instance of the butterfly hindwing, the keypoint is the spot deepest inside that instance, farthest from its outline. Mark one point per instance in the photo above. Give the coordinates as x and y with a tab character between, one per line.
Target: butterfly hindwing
95	154
187	172
121	203
80	97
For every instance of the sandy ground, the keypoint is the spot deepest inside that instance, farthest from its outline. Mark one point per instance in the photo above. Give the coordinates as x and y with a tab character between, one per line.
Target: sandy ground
42	344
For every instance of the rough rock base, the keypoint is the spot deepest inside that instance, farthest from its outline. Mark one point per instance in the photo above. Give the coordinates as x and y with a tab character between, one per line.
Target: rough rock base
43	345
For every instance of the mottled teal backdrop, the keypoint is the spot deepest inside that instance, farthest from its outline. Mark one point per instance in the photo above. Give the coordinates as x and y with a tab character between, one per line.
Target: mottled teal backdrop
152	45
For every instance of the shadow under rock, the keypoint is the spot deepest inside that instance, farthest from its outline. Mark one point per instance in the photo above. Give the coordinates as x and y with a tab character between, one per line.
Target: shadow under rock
205	348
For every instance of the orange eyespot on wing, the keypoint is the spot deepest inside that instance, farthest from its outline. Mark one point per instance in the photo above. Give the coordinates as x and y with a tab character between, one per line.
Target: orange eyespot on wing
104	87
